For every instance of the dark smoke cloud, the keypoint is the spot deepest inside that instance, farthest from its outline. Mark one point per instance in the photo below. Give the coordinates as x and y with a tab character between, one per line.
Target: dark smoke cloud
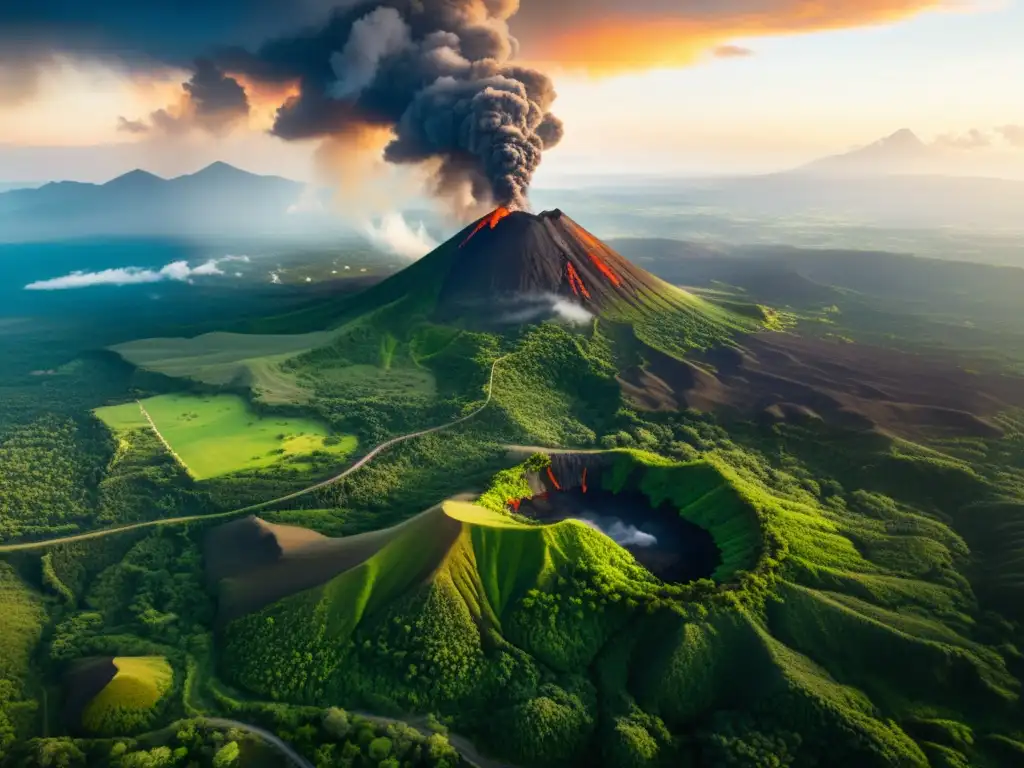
437	72
216	100
211	101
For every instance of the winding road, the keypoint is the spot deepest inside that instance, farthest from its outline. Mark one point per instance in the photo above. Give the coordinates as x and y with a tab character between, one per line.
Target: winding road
267	736
462	745
263	504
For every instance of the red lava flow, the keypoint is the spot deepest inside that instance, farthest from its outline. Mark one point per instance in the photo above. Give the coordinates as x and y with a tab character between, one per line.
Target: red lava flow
605	270
492	220
575	282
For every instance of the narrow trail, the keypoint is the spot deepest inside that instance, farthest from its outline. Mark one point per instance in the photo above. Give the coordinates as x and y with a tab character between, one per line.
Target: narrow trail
263	504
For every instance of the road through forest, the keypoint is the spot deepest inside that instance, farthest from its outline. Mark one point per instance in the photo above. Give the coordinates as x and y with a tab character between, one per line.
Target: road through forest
263	504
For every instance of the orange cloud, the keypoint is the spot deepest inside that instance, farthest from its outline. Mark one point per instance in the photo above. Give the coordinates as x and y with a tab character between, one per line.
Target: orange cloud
598	37
265	99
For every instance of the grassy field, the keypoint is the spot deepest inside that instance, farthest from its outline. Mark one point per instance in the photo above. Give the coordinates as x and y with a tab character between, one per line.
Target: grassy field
136	689
229	358
217	435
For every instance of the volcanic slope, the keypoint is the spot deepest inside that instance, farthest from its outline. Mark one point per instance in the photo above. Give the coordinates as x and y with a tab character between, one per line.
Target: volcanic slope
552	646
515	267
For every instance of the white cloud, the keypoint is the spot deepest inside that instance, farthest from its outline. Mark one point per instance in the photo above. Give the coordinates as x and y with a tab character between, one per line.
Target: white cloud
394	235
177	270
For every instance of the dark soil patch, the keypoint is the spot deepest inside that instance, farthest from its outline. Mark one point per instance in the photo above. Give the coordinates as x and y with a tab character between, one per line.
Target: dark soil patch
669	546
252	563
781	376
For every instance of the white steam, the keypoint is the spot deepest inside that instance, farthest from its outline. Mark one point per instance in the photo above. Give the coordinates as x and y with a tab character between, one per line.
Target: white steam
537	307
623	534
572	312
391	233
177	270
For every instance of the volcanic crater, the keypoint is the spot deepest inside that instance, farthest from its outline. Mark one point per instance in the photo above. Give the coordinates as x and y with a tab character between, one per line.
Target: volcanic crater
659	537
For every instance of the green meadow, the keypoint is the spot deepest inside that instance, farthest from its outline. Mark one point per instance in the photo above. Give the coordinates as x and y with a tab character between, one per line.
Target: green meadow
216	435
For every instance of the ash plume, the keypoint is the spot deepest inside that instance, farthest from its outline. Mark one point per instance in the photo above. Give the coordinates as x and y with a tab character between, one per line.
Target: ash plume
438	74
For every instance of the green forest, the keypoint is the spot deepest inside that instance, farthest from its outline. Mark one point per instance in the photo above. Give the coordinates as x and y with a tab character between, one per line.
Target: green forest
865	608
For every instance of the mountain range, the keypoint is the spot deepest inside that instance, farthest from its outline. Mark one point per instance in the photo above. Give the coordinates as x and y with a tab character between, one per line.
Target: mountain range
897	181
217	200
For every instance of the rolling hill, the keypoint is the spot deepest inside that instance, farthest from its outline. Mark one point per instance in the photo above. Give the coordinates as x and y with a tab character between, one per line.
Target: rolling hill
534	635
117	696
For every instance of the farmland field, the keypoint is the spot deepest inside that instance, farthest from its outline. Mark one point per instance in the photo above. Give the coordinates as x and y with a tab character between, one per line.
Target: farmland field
216	435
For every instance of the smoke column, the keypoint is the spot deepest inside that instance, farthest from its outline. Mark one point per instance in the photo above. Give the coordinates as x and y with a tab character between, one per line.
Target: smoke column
438	74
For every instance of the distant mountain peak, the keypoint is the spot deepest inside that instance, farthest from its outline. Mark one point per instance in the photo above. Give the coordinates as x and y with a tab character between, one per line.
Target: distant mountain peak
138	176
903	136
903	140
220	169
899	152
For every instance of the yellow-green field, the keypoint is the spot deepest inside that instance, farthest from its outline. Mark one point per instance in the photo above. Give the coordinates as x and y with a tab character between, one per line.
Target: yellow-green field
137	687
214	435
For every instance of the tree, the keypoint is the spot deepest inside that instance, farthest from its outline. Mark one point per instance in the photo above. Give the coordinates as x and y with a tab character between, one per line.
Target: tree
226	756
60	753
379	749
161	757
336	722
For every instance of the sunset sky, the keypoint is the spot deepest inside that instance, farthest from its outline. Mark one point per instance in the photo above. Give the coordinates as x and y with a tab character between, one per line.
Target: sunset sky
717	87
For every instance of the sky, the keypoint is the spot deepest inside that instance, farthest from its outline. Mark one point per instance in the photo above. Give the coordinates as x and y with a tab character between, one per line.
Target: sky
649	86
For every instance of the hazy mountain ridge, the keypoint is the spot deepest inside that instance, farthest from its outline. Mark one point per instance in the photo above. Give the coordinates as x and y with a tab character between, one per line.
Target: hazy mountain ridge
220	199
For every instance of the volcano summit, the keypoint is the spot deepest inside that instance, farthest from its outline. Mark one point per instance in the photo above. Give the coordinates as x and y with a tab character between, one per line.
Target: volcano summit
515	267
518	256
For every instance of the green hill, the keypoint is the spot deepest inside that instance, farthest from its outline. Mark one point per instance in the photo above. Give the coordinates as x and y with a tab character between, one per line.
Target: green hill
130	699
531	636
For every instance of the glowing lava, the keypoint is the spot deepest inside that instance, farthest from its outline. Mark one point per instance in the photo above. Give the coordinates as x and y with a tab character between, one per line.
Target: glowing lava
553	479
583	481
588	238
575	282
491	220
605	270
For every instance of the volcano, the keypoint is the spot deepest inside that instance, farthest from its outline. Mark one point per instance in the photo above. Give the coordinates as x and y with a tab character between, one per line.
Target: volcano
514	267
512	256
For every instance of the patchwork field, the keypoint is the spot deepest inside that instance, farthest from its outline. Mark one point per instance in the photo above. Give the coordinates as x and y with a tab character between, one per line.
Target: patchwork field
216	435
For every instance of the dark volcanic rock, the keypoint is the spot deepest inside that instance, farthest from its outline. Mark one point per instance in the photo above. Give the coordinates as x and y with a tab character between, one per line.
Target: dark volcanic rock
525	257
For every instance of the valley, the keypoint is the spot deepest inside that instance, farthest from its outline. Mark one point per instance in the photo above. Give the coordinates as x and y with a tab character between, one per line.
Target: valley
529	492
